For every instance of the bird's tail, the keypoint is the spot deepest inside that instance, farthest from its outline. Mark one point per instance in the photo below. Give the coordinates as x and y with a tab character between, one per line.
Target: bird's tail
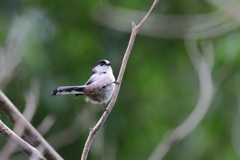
77	90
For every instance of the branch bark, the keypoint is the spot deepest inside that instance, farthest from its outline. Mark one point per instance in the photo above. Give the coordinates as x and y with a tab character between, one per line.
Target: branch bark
30	132
19	142
31	99
93	131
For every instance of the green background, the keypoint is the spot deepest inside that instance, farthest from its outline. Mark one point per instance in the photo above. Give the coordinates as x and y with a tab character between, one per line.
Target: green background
160	87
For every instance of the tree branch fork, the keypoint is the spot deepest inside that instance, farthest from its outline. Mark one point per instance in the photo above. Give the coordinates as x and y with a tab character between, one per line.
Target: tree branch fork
19	142
94	130
32	134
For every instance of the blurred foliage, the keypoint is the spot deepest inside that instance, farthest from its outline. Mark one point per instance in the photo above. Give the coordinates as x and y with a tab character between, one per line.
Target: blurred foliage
159	90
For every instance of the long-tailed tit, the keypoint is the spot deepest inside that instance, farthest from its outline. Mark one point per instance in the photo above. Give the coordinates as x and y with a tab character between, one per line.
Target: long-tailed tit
98	89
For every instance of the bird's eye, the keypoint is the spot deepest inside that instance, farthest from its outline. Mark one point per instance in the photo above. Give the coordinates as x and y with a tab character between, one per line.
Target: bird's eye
101	64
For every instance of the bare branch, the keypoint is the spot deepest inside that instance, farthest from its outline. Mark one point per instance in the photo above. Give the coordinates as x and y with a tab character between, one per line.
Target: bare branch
30	132
42	128
41	150
31	99
154	5
21	144
101	121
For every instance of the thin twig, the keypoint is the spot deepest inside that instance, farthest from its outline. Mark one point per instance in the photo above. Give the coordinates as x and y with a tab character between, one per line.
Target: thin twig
93	131
20	143
30	132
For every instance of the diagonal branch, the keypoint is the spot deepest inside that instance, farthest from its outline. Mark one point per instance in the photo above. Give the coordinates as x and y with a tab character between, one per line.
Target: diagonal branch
31	105
30	132
20	143
135	29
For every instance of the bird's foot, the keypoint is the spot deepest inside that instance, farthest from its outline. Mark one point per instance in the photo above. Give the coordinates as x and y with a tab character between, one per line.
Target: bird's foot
117	82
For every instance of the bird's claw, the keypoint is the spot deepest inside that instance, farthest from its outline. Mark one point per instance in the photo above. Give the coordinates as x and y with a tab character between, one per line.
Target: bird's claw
117	82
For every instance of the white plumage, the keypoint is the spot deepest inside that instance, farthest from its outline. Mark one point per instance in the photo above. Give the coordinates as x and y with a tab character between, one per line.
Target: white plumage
98	89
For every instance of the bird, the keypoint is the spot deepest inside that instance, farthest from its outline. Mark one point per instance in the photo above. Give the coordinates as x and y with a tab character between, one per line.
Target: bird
98	89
